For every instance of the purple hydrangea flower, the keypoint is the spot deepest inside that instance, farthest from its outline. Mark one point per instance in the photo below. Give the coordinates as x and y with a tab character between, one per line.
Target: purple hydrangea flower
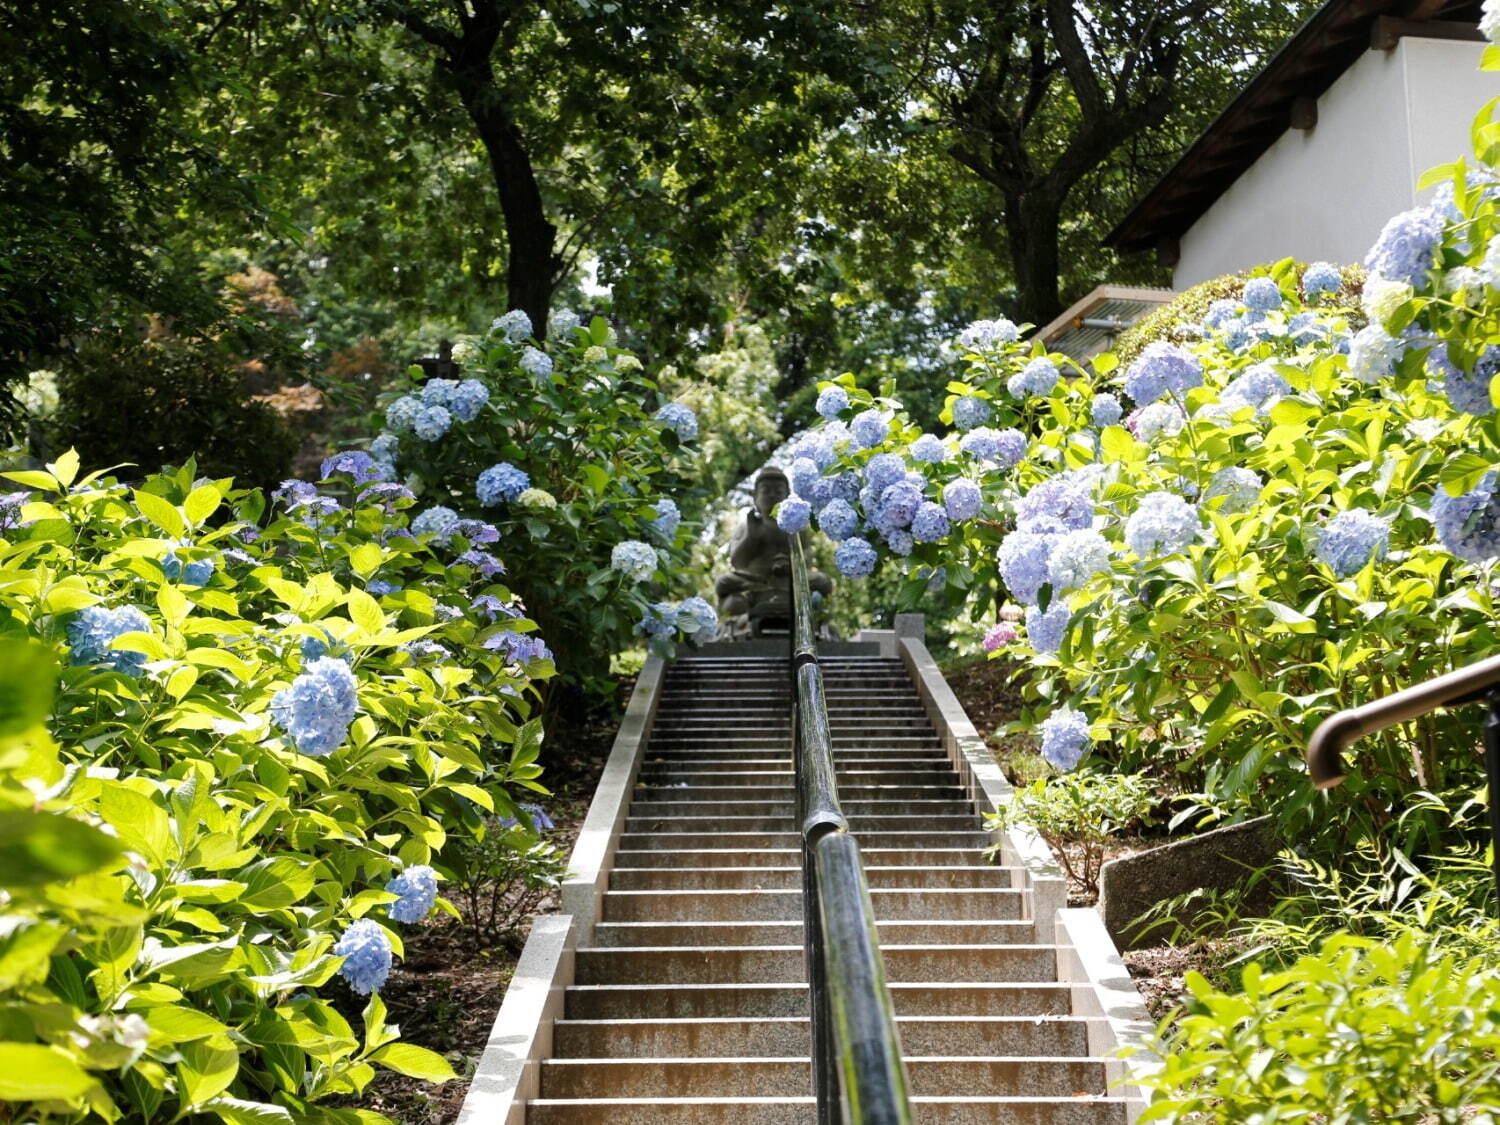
518	648
962	499
929	449
838	519
1061	503
1004	447
897	506
1162	368
1045	628
1468	392
884	470
484	562
1023	558
900	542
360	466
478	531
930	523
1065	738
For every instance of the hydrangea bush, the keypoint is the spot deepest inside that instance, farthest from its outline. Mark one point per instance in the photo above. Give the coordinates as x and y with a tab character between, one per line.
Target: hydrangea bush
1213	546
557	449
237	799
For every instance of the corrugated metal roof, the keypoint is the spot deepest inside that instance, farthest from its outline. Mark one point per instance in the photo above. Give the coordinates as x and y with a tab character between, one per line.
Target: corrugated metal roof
1091	325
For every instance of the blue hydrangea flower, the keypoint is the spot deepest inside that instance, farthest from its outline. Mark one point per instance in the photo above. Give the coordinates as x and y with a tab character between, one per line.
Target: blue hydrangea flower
198	572
929	449
1037	378
838	519
431	423
1162	368
1004	447
636	560
1373	354
1105	410
379	587
1220	313
668	517
402	413
1262	294
1240	489
899	541
855	558
438	522
539	819
884	470
1320	278
1468	392
1237	335
536	363
516	325
962	499
467	399
1160	419
832	401
793	515
518	648
804	476
1061	503
500	483
484	562
1065	738
897	506
1258	386
1023	558
425	649
1351	539
659	620
1162	523
1076	557
817	448
970	411
1407	246
1305	328
361	467
844	487
930	523
560	325
315	712
492	607
417	887
94	629
1468	525
704	618
479	532
367	956
1045	629
869	428
985	335
681	419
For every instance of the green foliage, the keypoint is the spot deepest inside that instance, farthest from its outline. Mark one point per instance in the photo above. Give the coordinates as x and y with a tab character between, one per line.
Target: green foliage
177	873
1085	810
1364	1030
147	402
500	878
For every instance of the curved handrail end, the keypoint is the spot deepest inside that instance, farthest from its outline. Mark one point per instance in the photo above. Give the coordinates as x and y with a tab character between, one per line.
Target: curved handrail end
1325	750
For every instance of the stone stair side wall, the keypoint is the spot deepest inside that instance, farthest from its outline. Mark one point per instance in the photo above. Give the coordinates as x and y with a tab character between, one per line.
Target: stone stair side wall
508	1074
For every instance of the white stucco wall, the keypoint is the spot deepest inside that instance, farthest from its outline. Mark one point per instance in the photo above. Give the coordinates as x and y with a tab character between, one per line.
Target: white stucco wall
1324	193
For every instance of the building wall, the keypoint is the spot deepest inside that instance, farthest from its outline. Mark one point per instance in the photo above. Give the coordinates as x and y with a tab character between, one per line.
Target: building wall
1325	192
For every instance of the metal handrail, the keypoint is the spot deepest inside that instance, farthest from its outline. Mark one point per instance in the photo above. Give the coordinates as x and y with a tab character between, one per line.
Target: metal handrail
1477	683
858	1075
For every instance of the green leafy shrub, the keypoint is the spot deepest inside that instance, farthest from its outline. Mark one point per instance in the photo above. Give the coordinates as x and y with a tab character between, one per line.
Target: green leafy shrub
1081	810
1364	1031
268	724
501	877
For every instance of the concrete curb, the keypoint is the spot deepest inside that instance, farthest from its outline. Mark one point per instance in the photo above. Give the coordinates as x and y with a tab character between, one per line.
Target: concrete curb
509	1071
593	855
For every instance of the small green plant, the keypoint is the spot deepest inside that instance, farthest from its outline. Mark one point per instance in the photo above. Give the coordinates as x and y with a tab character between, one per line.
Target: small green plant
499	880
1364	1031
1082	810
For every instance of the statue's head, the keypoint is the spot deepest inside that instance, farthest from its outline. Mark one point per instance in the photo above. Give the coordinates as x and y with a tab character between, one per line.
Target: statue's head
771	488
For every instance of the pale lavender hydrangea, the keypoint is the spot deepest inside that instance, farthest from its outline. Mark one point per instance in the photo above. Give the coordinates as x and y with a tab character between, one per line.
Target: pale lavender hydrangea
1220	313
962	499
838	519
1163	523
1061	503
899	541
1075	558
793	515
1105	410
970	411
1468	392
1351	539
832	401
518	648
1162	368
929	449
884	470
1023	558
1045	628
1038	377
316	710
366	951
869	428
1240	489
1320	278
1004	447
897	506
1407	246
359	466
1468	525
417	887
1160	419
985	335
930	523
855	558
94	629
636	560
500	483
536	363
1065	738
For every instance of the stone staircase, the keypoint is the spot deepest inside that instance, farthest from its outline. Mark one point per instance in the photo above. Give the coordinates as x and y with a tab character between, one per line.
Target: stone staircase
689	1003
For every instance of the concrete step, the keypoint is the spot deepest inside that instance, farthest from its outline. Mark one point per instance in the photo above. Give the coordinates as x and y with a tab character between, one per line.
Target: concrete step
1078	1109
792	857
854	773
656	806
785	824
843	757
764	964
905	903
970	836
623	935
755	1001
790	1036
789	878
763	1077
696	721
848	794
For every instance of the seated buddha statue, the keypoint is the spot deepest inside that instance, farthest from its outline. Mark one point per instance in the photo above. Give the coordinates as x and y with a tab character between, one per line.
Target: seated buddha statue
755	596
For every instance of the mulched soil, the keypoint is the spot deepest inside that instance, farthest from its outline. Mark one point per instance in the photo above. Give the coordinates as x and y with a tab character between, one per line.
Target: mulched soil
1159	972
445	993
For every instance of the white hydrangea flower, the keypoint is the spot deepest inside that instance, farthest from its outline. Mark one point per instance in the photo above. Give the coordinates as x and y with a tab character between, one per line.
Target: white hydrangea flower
1383	297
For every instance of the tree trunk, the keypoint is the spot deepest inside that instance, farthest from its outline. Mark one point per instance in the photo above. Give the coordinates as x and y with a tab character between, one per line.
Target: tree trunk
1032	216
